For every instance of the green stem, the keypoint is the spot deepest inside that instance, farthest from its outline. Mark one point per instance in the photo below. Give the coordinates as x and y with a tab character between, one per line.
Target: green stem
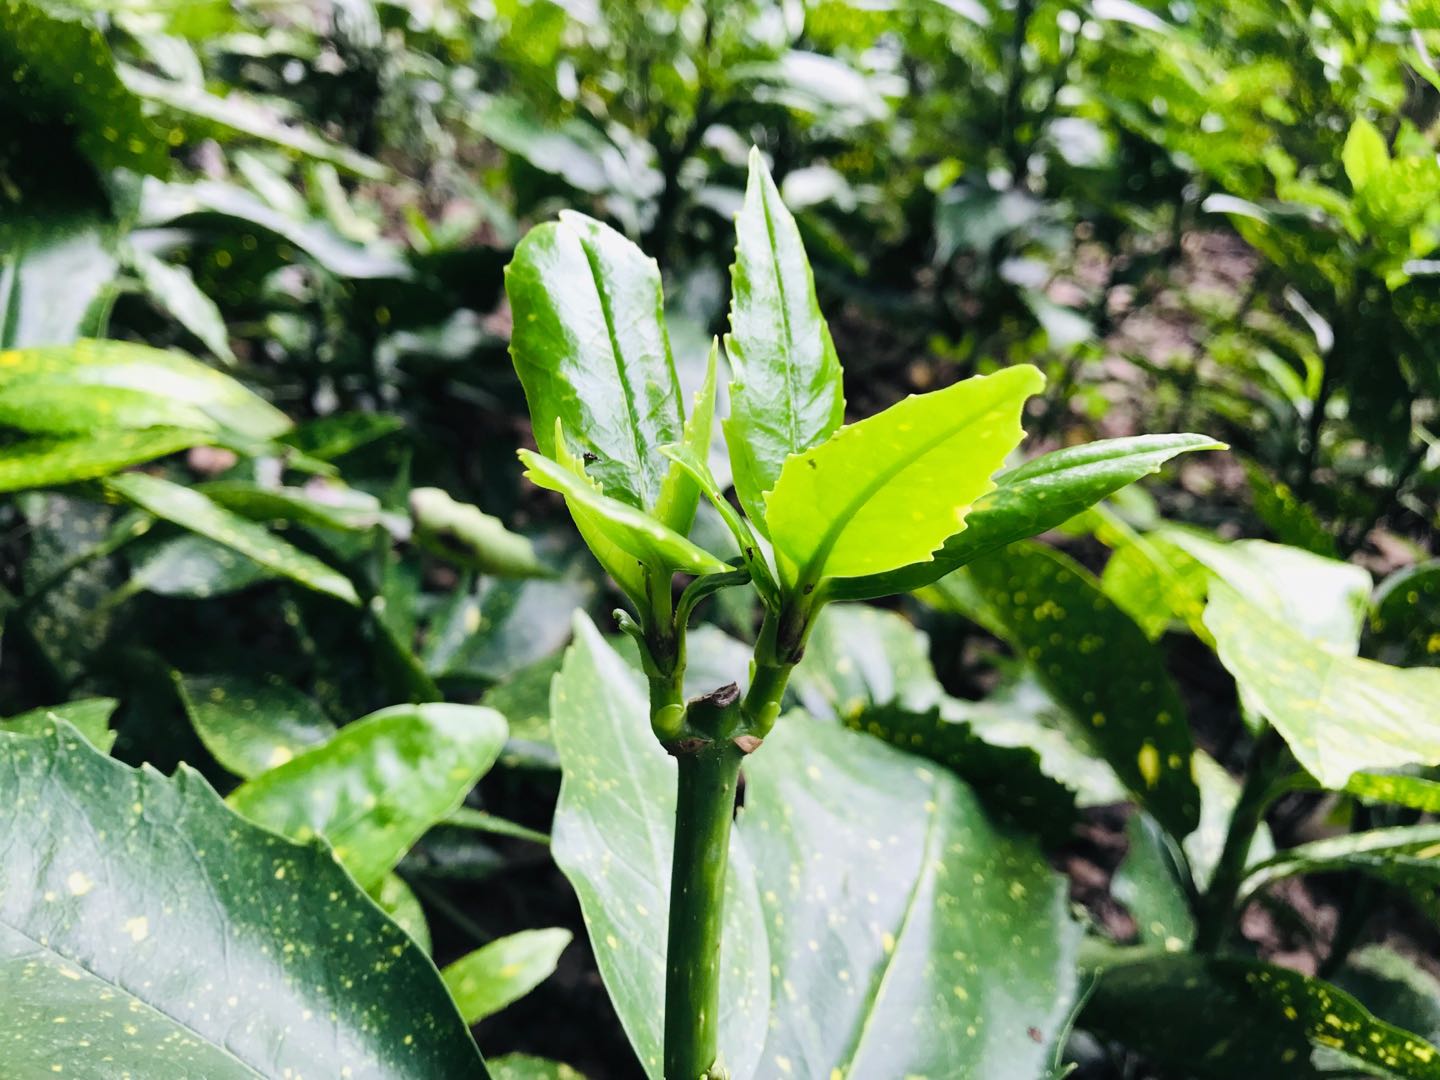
704	810
1217	906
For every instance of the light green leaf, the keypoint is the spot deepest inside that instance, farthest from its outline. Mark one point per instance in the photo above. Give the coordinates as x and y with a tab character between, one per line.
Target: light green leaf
397	901
144	928
525	1067
1405	855
1365	156
321	504
786	394
173	289
888	491
116	384
1098	663
859	657
485	981
1148	883
1396	788
591	351
37	463
872	866
680	491
191	510
249	725
1156	583
466	535
1228	1018
612	837
1032	498
1340	714
632	531
89	716
1219	792
378	785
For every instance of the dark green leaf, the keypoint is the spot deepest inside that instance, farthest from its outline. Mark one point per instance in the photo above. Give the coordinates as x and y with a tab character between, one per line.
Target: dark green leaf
193	566
145	928
1405	855
1098	663
172	288
252	726
1148	883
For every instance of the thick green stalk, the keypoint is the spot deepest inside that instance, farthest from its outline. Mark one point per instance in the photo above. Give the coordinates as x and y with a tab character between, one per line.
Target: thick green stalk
704	810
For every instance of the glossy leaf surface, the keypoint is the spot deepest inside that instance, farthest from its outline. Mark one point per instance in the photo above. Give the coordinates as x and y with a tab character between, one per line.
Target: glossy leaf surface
786	394
191	510
250	725
1098	663
374	788
1033	498
591	350
1340	714
484	981
143	922
50	462
888	491
466	535
873	868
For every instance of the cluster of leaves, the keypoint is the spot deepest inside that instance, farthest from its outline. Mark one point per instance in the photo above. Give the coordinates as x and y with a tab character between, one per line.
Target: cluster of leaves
226	562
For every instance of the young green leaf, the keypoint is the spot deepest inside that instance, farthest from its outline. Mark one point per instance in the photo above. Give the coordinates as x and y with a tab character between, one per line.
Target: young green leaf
146	929
786	395
680	491
484	981
872	867
613	834
1340	714
1032	498
591	351
1098	663
191	510
373	789
888	491
634	532
251	726
1365	156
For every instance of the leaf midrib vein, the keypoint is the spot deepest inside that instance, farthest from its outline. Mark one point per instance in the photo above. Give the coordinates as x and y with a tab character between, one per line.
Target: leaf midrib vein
788	367
627	392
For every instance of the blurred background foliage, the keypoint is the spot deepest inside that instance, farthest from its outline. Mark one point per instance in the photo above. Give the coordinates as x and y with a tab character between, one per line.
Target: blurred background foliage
1217	217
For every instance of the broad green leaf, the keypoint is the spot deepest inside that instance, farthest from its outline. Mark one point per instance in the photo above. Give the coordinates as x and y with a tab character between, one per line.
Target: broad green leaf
1394	988
37	463
525	1067
485	981
110	384
1365	156
59	72
193	566
1228	1018
612	837
146	929
633	531
1155	583
872	867
373	789
466	535
191	510
173	289
591	351
1147	882
89	716
1405	855
786	394
888	491
1098	663
680	491
397	901
1340	714
237	113
1032	498
250	725
859	657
